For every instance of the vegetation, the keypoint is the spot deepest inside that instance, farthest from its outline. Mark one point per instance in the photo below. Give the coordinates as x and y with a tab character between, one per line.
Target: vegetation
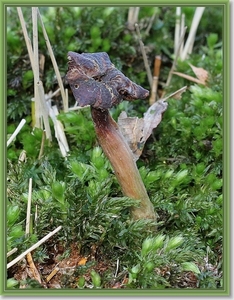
99	245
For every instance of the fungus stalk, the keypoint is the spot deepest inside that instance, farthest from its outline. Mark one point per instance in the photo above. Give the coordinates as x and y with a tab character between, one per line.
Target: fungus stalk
95	81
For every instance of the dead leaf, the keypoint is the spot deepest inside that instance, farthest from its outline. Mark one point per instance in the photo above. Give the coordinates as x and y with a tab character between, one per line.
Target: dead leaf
136	131
132	130
201	73
153	117
83	261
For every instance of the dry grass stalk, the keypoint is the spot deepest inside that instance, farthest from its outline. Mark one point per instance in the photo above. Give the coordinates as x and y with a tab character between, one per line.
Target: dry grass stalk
53	60
191	78
177	29
14	134
154	88
11	252
78	107
151	22
146	63
33	247
33	270
43	109
59	130
175	60
26	37
133	13
52	274
192	33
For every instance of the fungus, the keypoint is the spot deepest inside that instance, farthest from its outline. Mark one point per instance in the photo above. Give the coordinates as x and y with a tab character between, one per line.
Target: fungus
95	81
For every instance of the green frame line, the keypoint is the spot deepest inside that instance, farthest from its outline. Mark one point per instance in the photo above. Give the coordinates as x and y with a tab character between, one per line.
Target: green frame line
226	157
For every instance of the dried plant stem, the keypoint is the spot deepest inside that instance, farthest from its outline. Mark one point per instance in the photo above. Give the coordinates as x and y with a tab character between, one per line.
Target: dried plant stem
147	67
19	127
133	13
120	156
45	238
11	252
34	272
175	61
191	78
78	107
52	274
59	130
26	37
192	33
42	145
154	88
151	22
43	108
177	29
29	207
56	69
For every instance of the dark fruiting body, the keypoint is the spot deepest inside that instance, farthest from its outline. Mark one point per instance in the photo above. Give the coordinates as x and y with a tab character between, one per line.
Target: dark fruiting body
95	81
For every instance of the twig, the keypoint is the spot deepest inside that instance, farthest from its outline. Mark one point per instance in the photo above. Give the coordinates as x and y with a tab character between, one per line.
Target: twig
13	262
19	127
190	41
149	75
56	69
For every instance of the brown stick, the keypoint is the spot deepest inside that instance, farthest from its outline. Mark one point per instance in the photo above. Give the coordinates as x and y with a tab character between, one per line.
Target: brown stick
120	156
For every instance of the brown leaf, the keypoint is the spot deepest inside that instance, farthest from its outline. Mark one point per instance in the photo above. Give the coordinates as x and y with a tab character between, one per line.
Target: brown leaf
136	131
201	73
132	130
153	117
